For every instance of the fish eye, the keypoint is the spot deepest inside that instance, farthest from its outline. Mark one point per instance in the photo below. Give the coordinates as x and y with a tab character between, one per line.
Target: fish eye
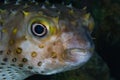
38	29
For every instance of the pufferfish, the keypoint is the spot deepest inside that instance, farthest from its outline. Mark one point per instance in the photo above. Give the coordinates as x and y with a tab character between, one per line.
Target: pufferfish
43	39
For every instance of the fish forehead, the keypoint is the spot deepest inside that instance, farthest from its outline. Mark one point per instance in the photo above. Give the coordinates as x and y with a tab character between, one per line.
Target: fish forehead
60	11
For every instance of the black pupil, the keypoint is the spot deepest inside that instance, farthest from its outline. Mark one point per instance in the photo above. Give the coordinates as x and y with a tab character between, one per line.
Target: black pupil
39	29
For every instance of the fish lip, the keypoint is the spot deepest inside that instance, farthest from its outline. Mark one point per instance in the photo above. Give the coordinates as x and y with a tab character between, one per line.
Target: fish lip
78	55
84	50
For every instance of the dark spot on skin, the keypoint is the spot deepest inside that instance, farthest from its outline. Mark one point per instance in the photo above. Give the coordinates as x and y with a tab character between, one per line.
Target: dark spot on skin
11	42
16	72
20	65
54	55
7	70
1	67
39	63
3	74
33	54
4	78
24	37
24	60
20	68
42	71
1	52
12	64
9	67
14	59
8	52
3	64
41	46
30	67
5	59
19	50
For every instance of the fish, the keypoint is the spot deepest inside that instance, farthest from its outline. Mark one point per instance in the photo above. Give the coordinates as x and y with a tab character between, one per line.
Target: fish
40	38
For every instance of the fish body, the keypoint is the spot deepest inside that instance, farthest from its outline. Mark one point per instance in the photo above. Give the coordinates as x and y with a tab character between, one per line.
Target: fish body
43	40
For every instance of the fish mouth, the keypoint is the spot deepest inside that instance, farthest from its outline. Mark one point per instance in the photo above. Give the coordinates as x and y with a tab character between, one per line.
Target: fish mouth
78	56
77	50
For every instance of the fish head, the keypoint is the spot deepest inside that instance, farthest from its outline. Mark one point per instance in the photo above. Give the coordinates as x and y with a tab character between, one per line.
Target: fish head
48	43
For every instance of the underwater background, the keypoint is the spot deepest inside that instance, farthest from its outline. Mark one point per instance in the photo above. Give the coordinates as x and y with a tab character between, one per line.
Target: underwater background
104	65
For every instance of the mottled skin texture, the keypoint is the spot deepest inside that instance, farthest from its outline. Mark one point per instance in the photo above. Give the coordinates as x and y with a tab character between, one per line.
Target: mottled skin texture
67	44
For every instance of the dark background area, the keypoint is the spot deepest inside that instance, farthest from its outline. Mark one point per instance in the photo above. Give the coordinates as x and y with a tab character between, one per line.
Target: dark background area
107	33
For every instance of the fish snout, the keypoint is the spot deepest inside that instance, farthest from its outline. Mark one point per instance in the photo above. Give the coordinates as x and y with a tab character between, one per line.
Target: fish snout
78	50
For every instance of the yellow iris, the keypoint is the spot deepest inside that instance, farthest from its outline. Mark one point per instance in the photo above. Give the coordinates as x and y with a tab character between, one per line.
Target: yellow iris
51	28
